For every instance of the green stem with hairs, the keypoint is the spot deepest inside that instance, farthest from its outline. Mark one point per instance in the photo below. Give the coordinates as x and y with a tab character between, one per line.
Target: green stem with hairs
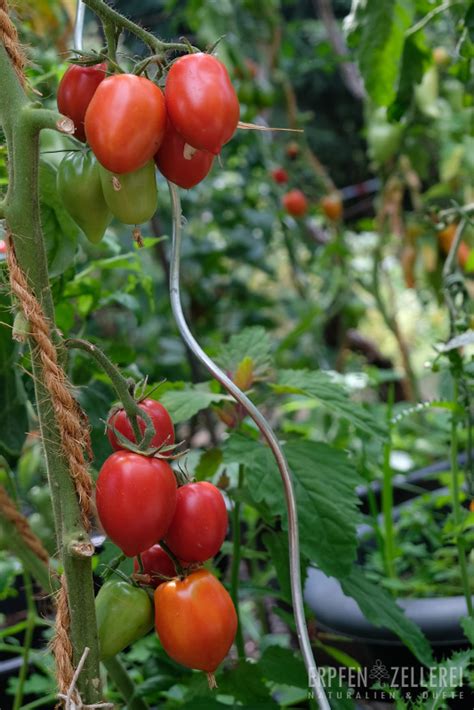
108	15
457	512
235	570
121	386
22	122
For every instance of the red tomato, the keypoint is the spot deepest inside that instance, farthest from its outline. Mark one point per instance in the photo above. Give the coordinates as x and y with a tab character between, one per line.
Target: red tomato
195	620
125	122
292	150
280	175
295	203
199	525
157	564
136	499
175	166
201	101
3	246
75	91
159	416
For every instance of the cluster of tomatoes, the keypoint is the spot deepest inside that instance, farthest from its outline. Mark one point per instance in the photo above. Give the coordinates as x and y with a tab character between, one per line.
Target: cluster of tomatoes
131	125
170	531
295	202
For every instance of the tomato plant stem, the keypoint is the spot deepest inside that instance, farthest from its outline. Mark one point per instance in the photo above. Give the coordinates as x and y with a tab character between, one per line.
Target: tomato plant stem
121	386
387	493
236	557
108	15
27	640
121	679
22	122
457	512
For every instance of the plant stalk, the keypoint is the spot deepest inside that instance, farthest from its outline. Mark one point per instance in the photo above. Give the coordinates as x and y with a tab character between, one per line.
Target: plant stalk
27	641
387	493
235	570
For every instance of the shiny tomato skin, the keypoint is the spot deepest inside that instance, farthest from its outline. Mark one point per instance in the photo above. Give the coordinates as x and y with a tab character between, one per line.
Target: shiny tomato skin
199	524
164	429
136	499
131	197
201	101
280	175
170	160
195	620
125	122
295	203
157	564
76	89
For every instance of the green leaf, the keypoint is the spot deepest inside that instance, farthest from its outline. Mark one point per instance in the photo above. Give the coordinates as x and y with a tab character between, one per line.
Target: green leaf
250	342
415	59
245	683
321	385
208	464
324	482
447	676
9	569
60	231
467	624
376	30
185	403
280	665
379	607
277	545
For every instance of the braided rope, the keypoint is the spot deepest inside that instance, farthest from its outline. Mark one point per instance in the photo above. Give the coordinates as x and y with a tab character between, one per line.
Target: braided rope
61	645
9	37
74	435
9	511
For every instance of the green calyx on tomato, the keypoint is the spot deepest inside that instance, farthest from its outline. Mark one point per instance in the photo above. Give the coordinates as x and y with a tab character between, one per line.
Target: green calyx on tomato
80	189
124	614
132	197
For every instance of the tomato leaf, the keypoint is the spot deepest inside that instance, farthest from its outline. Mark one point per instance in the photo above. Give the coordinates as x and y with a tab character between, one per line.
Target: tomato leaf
328	514
376	31
253	343
185	403
320	385
280	665
379	607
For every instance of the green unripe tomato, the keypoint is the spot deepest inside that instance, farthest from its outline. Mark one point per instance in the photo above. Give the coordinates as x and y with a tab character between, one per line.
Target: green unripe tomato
383	138
124	614
80	189
131	197
426	93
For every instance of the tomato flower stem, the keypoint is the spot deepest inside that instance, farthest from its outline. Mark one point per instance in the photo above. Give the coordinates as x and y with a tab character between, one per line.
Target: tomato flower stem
121	386
179	567
107	14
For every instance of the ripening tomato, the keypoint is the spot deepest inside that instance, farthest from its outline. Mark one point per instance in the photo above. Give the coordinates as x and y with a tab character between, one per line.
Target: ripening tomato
195	620
177	163
136	499
157	564
295	203
76	89
124	614
201	101
131	197
446	238
3	246
199	524
125	122
280	175
164	430
79	187
332	207
292	150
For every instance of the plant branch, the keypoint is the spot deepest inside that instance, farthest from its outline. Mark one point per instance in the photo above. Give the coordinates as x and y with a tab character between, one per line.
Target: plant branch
235	571
124	684
121	386
111	16
27	641
429	16
22	122
387	494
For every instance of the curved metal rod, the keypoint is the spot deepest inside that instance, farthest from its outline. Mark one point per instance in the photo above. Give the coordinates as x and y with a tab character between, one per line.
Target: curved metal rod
268	434
79	25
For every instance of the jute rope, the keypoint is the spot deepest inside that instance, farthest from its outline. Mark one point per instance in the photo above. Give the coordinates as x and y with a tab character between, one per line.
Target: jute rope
9	511
9	36
74	435
61	643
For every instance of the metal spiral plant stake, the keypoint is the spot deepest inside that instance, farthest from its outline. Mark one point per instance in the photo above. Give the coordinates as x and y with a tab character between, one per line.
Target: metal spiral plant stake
79	25
268	434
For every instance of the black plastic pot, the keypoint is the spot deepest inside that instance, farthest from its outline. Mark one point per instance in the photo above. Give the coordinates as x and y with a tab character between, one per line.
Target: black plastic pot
376	647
